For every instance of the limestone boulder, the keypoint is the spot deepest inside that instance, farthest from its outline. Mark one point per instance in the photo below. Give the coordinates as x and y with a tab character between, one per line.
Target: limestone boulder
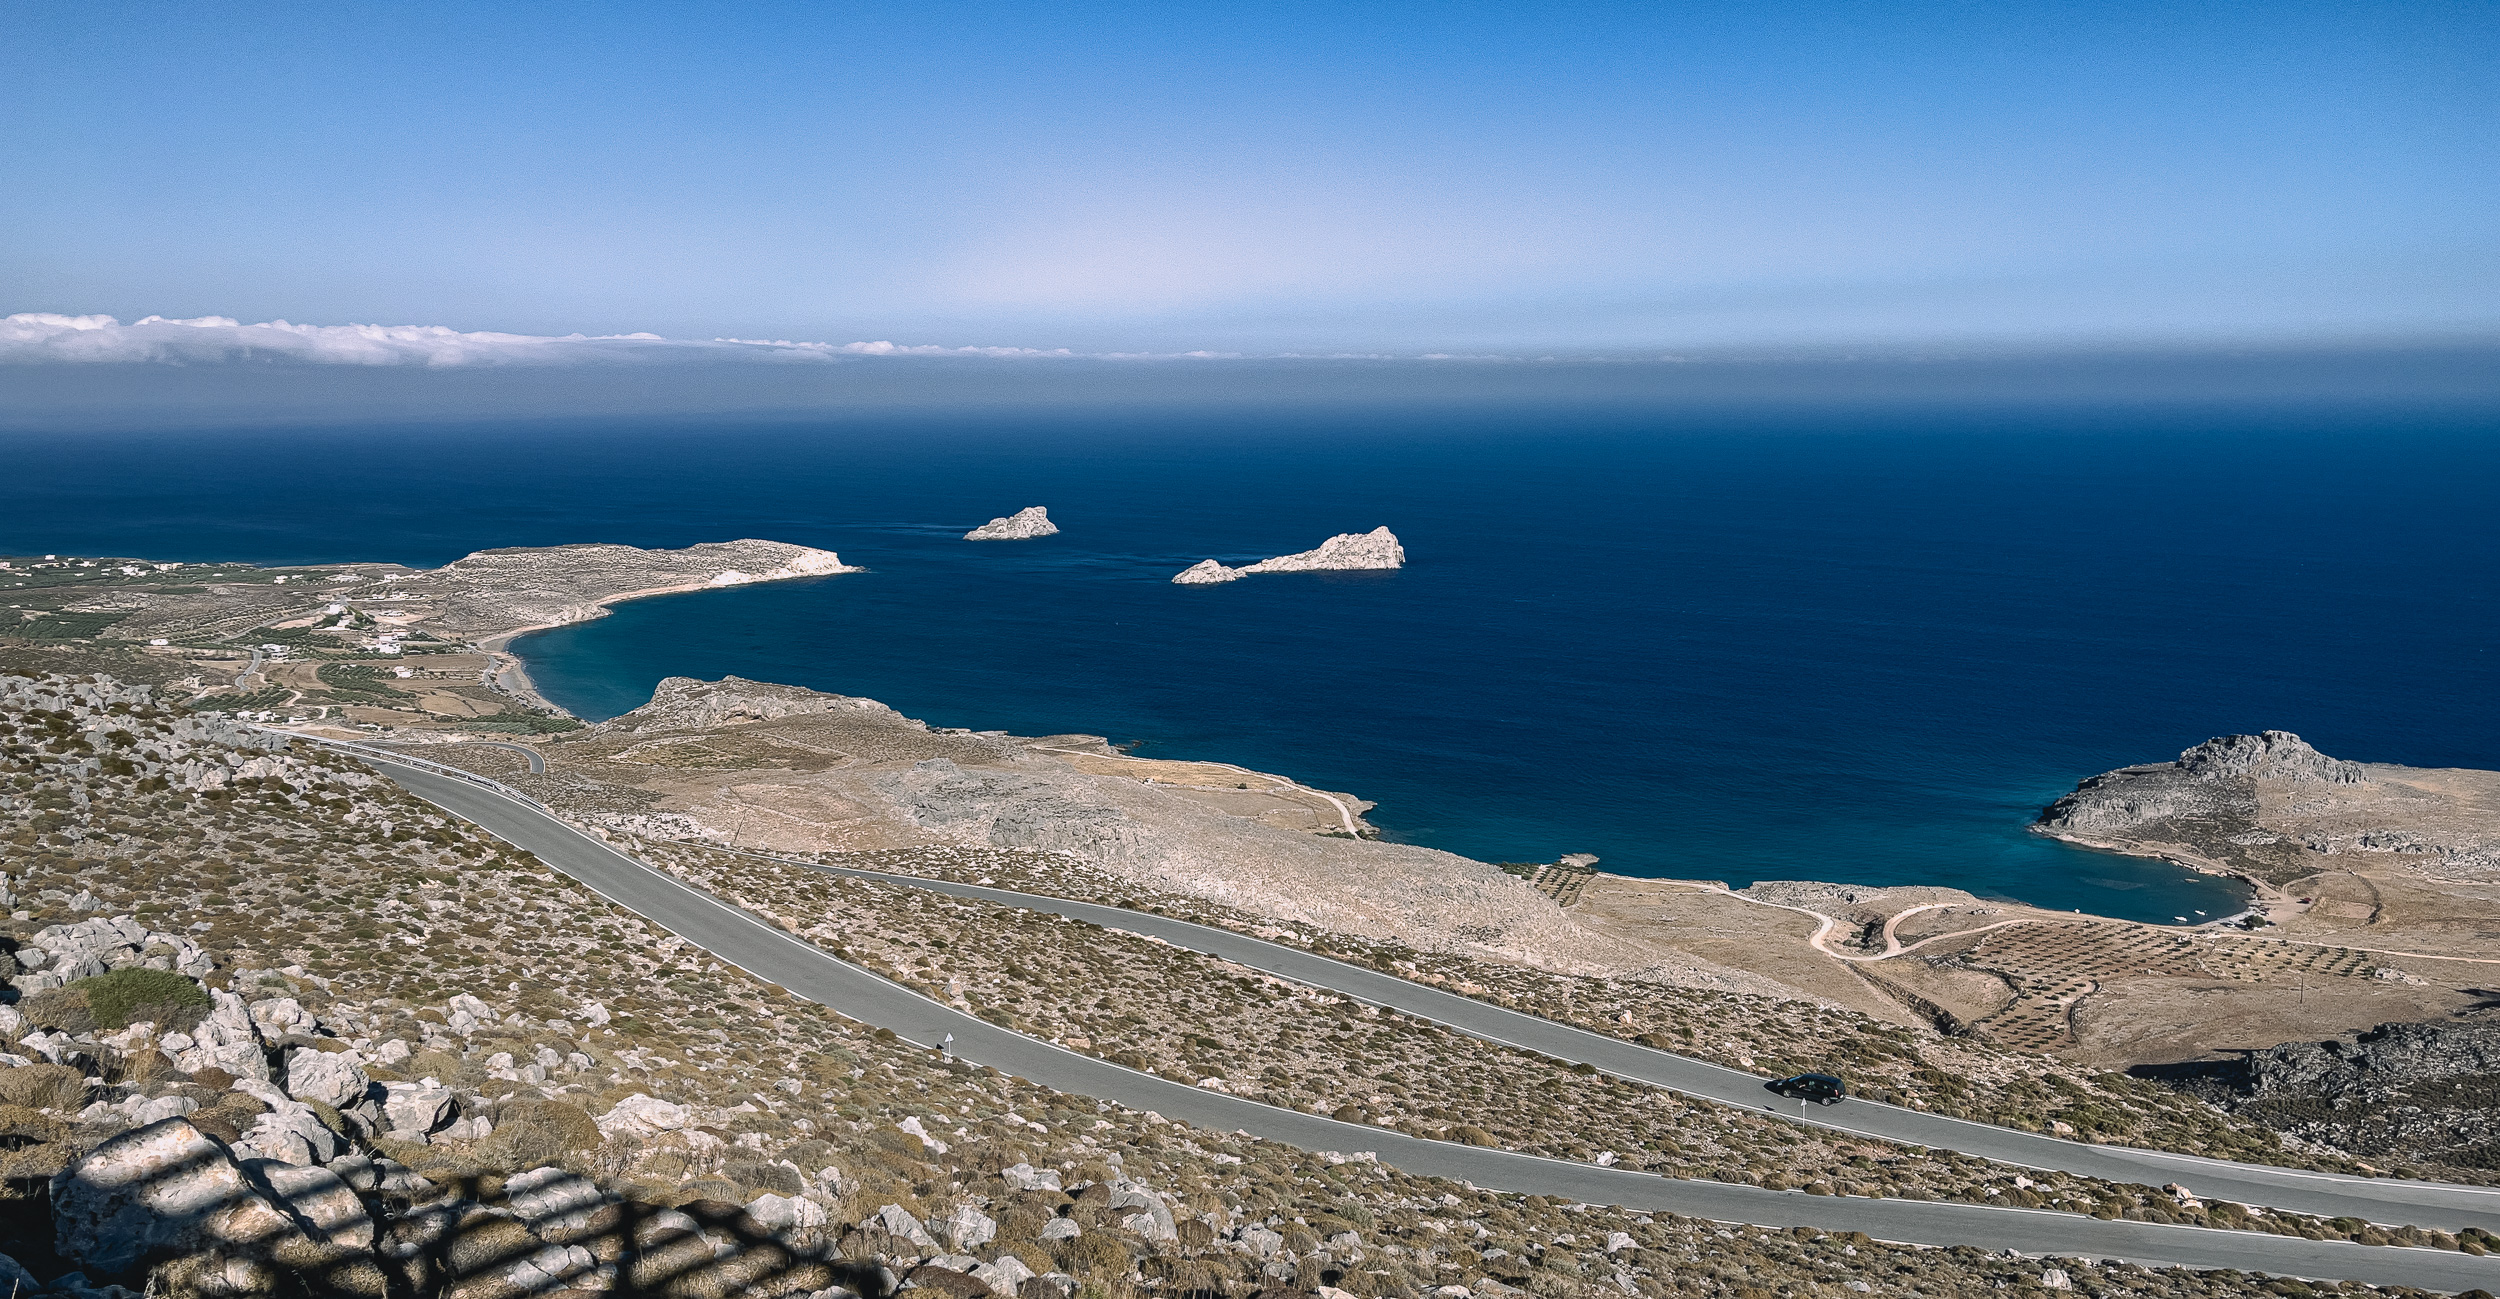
1005	1276
163	1189
325	1206
1025	1177
332	1078
968	1227
782	1213
900	1224
413	1109
644	1116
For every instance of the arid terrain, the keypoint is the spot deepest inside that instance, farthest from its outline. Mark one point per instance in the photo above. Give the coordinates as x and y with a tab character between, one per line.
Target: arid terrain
1924	996
403	1058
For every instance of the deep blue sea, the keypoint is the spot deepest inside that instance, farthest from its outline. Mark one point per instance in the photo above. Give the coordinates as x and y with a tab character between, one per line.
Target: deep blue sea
1863	647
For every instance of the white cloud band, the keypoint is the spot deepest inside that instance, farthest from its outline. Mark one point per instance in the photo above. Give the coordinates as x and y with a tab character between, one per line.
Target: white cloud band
45	338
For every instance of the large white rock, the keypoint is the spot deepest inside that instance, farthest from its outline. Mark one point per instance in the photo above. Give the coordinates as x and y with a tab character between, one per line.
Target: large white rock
644	1116
914	1127
1377	548
1206	572
1155	1217
1005	1275
228	1039
1025	1177
323	1201
331	1078
162	1188
780	1213
290	1135
538	1195
968	1227
1025	524
416	1108
899	1223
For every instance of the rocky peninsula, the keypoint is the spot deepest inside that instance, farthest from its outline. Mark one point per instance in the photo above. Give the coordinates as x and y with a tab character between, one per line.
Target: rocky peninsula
1345	552
1023	525
2271	808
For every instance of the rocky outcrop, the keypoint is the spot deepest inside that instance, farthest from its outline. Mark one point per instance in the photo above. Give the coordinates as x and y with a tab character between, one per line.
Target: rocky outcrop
2271	807
1345	552
1023	525
683	703
1206	572
1377	548
2215	779
2267	755
496	591
167	1188
2409	1092
63	954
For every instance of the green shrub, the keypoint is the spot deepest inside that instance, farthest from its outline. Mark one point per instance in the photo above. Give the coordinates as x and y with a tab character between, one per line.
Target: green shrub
121	998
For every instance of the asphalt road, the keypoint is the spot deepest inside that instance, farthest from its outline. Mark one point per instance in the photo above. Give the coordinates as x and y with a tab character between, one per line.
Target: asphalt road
807	971
538	763
2383	1200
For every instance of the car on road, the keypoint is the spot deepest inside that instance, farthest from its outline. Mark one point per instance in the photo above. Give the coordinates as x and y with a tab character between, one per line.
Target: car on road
1820	1087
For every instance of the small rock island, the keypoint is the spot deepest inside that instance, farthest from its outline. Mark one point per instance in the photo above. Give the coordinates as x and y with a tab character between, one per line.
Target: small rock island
1023	525
1347	551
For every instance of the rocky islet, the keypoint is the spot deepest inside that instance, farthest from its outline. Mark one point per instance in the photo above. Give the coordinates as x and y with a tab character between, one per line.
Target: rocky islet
1023	525
1345	552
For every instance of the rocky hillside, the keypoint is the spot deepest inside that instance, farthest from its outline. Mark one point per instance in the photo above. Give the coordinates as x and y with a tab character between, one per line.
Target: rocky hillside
495	591
2401	1093
290	1031
796	769
2273	808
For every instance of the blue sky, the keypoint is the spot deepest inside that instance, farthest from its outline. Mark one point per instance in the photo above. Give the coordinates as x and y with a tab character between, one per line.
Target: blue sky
1268	178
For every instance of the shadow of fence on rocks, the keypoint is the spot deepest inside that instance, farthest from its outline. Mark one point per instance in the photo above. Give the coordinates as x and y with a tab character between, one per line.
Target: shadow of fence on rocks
170	1211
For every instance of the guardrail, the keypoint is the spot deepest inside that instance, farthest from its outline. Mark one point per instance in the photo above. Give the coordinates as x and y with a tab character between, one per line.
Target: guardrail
409	759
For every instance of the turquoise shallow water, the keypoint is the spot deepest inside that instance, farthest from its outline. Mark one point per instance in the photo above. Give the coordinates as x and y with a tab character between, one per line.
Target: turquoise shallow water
1864	648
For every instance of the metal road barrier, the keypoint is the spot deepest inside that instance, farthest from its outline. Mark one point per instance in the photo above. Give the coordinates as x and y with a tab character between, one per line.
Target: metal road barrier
428	764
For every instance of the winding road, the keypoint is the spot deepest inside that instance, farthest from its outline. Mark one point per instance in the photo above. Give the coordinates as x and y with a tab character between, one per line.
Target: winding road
765	951
537	761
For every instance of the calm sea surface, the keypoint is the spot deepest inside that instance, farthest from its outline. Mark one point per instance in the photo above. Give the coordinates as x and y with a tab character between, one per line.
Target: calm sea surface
1856	647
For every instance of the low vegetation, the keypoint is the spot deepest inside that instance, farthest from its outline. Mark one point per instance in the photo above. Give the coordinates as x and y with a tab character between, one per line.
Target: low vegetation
352	923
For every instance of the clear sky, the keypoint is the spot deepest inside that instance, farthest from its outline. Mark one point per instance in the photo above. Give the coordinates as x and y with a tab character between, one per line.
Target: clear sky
1267	178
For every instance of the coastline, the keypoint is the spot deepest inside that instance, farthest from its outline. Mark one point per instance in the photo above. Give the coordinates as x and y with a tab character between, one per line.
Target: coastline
509	673
2259	892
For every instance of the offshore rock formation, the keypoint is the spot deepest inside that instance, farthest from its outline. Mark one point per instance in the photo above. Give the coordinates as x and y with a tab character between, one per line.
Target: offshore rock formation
1206	572
1023	525
1347	551
1377	548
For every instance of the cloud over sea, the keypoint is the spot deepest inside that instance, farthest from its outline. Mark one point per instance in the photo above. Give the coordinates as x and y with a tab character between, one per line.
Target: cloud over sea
47	338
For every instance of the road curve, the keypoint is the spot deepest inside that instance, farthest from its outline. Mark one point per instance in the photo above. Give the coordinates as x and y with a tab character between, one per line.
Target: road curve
537	761
738	938
2382	1200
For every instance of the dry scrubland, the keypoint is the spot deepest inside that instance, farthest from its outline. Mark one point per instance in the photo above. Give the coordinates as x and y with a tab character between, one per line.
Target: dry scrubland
707	1134
559	1096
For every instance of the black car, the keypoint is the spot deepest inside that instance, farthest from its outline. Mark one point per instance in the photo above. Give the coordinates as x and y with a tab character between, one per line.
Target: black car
1820	1087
